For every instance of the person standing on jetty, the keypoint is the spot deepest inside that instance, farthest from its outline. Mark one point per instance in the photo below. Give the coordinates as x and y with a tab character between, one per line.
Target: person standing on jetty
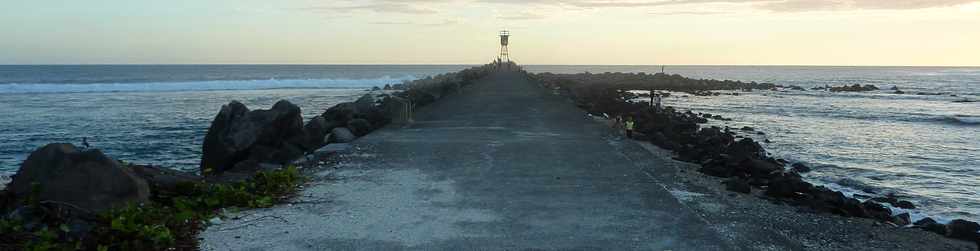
657	100
630	124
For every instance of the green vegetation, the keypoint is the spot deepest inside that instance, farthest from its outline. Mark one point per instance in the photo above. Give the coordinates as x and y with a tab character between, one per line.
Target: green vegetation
164	223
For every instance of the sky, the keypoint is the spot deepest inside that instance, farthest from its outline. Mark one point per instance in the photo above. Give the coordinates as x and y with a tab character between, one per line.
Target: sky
589	32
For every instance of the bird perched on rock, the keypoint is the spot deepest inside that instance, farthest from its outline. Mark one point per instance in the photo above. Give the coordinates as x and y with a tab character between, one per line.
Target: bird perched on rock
85	142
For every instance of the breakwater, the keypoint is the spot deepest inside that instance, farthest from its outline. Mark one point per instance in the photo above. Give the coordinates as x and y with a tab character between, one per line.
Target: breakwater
742	161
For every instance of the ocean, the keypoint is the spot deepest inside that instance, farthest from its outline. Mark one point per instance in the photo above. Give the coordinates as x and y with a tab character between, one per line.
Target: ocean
920	147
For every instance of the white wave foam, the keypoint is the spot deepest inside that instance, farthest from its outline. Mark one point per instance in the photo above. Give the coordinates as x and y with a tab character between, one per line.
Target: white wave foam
17	88
4	179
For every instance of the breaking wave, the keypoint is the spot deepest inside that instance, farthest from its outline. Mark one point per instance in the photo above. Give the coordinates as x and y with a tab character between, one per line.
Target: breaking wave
962	119
20	88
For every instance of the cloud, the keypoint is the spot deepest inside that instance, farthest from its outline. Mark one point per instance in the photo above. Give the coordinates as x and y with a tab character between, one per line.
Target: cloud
618	4
391	23
771	5
416	7
385	7
659	7
835	5
445	22
691	13
524	15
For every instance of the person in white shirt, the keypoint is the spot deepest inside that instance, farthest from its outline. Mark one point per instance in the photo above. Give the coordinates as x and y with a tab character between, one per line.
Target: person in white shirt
657	101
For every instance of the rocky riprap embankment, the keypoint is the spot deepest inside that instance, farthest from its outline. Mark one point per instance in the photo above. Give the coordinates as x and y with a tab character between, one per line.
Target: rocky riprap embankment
68	187
743	163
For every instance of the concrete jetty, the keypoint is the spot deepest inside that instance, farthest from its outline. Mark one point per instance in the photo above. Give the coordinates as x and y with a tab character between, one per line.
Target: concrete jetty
501	165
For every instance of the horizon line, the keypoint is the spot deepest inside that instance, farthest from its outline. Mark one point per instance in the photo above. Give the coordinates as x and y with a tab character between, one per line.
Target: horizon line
453	64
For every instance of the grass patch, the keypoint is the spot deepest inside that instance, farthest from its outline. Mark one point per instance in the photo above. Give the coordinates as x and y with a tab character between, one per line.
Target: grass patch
163	223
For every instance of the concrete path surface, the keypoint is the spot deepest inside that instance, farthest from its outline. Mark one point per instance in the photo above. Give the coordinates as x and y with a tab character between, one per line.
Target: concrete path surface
503	165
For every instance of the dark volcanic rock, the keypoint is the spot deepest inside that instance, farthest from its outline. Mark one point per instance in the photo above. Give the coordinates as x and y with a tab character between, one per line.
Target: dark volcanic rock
743	149
787	186
163	181
962	229
365	103
895	202
878	211
800	168
737	185
902	219
359	127
316	131
340	113
904	204
854	88
341	135
237	134
761	168
925	221
365	108
826	200
716	170
930	225
83	178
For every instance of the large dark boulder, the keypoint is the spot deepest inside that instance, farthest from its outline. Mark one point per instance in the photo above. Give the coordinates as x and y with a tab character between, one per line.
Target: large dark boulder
931	225
359	127
371	110
737	185
962	229
788	186
316	131
340	113
163	182
760	168
902	219
853	207
854	88
365	103
801	168
237	134
717	170
86	179
744	149
341	135
878	211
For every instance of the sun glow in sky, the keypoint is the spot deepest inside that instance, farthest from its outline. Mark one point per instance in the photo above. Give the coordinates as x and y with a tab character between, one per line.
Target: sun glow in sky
727	32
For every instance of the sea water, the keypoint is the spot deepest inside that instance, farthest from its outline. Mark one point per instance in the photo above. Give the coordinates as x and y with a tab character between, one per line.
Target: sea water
920	147
159	114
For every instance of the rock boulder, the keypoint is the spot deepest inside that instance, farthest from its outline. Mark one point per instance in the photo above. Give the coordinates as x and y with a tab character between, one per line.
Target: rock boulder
237	134
962	229
737	185
316	131
341	135
360	127
86	179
